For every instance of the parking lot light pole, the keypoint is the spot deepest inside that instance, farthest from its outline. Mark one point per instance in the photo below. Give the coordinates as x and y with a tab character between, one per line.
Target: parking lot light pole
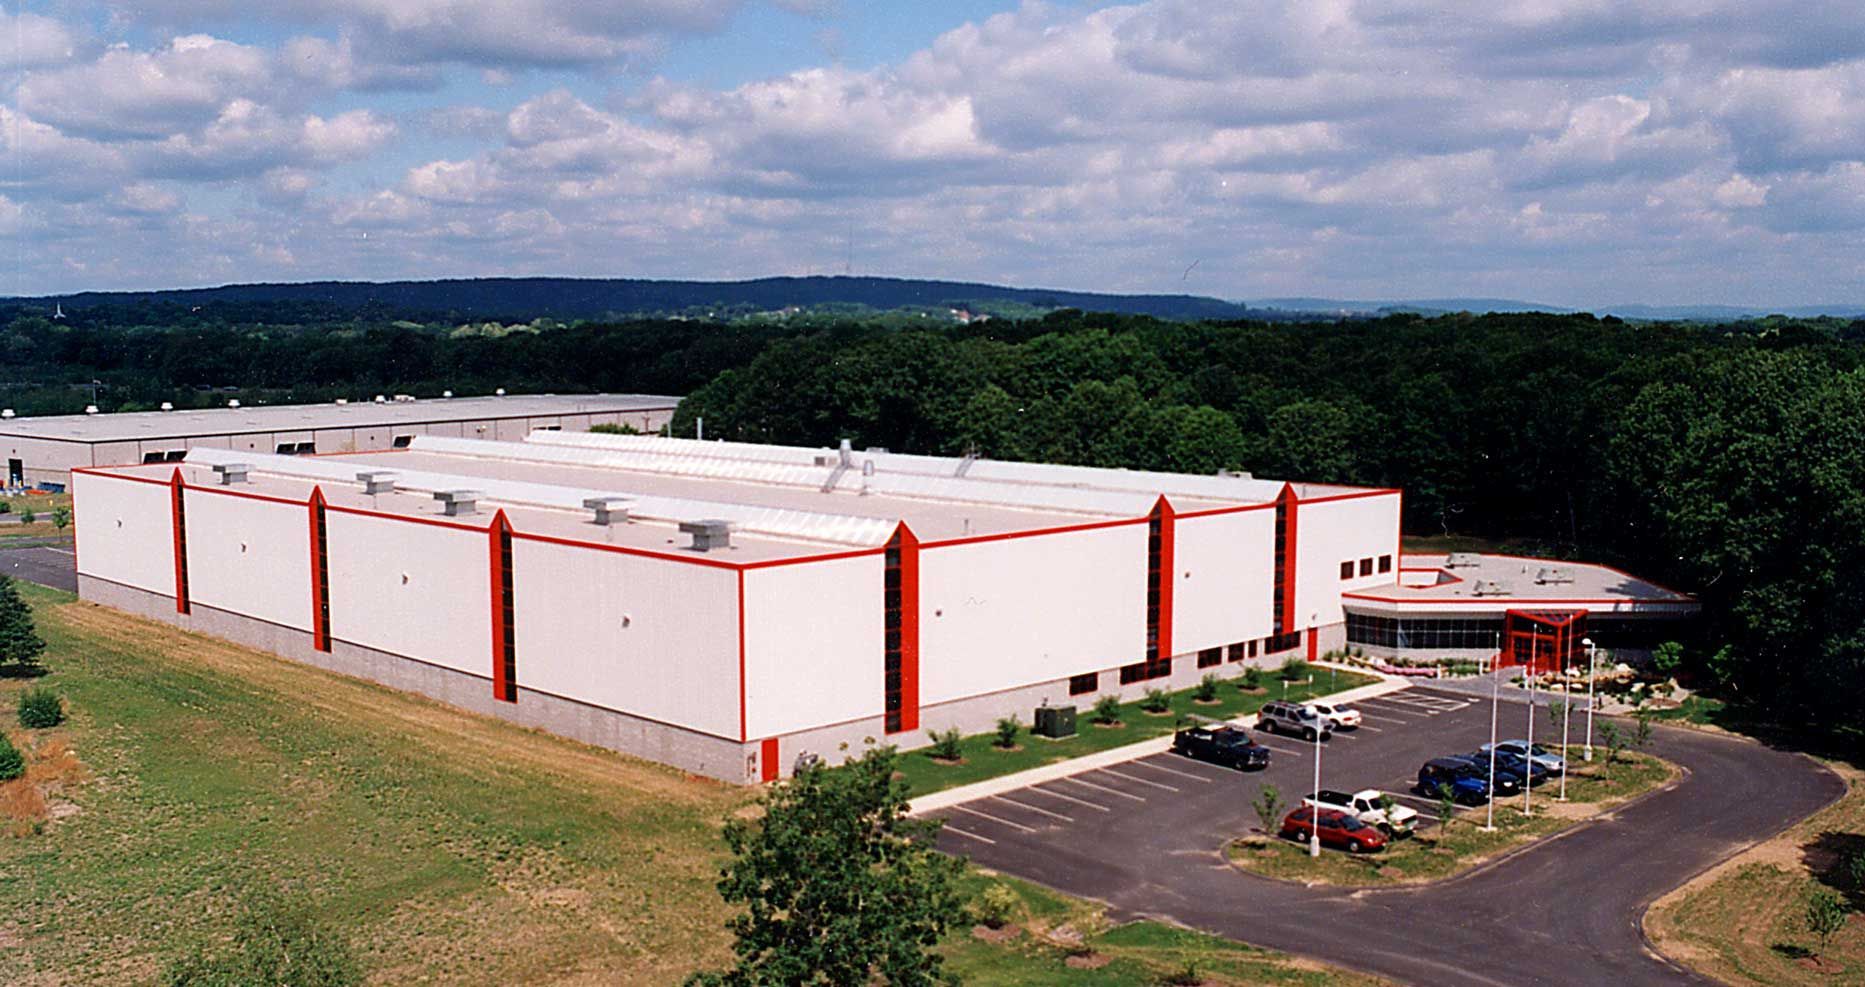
1495	706
1314	828
1534	656
1592	675
1567	714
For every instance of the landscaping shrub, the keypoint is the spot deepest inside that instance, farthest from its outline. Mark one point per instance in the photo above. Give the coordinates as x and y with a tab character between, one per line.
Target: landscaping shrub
945	744
1107	710
12	765
40	708
996	906
1252	678
1293	668
1206	692
1007	730
1268	806
1156	701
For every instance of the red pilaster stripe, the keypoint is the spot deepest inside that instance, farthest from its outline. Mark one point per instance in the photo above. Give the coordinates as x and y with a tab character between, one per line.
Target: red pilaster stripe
909	629
1168	524
179	521
742	734
320	575
504	660
1290	619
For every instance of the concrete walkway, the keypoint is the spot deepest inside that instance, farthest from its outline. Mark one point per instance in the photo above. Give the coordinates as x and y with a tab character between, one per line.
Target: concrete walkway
1117	755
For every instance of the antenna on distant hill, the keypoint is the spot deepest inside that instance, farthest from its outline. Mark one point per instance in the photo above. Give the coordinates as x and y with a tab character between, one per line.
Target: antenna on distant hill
848	262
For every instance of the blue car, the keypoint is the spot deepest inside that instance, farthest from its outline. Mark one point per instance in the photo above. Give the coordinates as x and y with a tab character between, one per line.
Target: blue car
1513	765
1467	780
1534	752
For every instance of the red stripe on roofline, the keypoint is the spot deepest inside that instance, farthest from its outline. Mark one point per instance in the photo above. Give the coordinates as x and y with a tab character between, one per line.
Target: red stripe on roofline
268	498
1238	509
1379	492
852	553
1597	565
1516	600
1031	533
621	549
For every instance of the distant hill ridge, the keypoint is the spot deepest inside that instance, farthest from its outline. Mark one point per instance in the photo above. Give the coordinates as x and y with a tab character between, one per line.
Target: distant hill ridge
594	298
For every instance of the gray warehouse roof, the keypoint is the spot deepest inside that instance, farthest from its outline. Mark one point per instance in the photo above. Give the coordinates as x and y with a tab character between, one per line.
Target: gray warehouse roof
146	425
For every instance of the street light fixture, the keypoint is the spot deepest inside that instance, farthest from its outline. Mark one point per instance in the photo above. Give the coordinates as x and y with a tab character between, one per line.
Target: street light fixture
1592	676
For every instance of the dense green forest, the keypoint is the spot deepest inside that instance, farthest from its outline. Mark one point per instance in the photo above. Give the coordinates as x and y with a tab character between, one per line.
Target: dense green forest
1727	460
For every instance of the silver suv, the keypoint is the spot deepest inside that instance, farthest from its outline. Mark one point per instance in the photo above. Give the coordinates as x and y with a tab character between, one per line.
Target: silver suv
1292	718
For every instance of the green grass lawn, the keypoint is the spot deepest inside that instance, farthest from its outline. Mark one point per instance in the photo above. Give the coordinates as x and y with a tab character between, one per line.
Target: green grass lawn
445	847
1439	852
983	760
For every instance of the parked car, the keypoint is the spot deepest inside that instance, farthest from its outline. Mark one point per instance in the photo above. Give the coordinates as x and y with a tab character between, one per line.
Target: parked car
1340	715
1223	745
1522	770
1292	718
1534	752
1468	780
1368	806
1338	829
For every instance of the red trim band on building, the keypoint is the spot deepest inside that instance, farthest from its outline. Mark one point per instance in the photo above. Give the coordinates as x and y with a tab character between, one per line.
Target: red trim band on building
504	644
1168	538
178	516
1288	507
900	606
320	571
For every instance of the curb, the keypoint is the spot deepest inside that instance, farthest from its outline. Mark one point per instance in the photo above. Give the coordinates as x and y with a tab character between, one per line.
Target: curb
1115	755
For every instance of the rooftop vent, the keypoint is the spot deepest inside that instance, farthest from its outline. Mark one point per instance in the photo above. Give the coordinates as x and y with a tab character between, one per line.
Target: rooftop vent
1235	474
168	406
446	394
381	400
377	481
1554	575
500	392
1463	560
233	403
343	400
90	409
1489	587
403	398
609	510
708	534
231	473
457	502
8	413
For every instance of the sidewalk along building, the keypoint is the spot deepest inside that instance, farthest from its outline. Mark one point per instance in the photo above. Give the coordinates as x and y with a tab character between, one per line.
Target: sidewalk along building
726	608
41	452
1510	609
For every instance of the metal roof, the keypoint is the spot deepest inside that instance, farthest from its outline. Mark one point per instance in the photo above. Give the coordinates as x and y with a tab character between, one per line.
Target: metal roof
156	425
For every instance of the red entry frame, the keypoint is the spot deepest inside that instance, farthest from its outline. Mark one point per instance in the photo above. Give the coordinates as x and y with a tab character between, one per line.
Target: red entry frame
1542	641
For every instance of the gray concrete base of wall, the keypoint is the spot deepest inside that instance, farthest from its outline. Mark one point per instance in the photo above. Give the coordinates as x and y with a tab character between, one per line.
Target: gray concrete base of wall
687	750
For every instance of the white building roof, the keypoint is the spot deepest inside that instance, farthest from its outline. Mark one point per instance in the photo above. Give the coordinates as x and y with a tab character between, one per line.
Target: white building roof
1472	584
155	425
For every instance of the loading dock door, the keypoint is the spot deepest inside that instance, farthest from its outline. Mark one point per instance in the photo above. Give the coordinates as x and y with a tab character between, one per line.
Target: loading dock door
15	473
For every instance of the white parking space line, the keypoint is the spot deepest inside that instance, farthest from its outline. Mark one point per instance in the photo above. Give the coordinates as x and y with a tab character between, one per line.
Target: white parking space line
1278	748
1068	798
1365	726
1035	809
995	819
1383	718
1415	800
1138	781
1171	771
1405	708
61	551
949	828
1104	788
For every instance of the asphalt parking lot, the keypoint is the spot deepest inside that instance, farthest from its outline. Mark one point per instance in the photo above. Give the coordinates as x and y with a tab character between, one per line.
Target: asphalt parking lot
1134	807
47	565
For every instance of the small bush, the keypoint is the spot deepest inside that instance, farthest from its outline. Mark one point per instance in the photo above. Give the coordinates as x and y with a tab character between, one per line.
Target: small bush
1007	730
1253	678
40	708
1107	709
996	906
1293	668
12	765
6	507
28	516
1206	692
1185	976
945	744
1156	701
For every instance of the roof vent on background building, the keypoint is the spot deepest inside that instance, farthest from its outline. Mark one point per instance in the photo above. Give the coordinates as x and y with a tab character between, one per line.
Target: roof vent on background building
454	503
90	409
446	394
381	400
608	510
1489	587
1463	560
500	392
1553	575
377	481
233	403
168	406
8	413
404	398
1235	474
708	534
231	473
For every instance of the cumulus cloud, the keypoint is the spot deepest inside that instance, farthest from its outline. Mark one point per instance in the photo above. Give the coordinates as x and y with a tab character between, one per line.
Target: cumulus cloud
127	93
31	40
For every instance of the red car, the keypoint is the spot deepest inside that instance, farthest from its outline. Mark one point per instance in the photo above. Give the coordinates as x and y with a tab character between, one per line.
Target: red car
1338	829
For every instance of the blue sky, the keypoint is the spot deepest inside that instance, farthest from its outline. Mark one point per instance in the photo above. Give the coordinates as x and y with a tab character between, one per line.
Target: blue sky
1580	152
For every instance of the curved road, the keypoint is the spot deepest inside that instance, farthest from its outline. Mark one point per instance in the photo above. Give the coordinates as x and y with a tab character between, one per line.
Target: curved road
1565	911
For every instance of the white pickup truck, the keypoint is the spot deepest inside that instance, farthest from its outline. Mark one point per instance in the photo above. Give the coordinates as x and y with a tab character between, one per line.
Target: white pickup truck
1366	806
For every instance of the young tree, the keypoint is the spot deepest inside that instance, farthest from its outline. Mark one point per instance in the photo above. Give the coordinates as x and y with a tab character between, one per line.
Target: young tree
1667	658
1268	806
20	646
1613	739
1826	914
61	516
1007	730
837	884
1447	807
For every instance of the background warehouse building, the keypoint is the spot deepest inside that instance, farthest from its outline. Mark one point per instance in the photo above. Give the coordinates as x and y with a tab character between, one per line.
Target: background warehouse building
42	451
726	607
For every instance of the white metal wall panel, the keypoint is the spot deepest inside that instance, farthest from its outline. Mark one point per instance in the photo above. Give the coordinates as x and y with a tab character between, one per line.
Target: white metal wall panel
125	532
1333	532
644	636
999	614
418	590
1223	579
814	646
250	557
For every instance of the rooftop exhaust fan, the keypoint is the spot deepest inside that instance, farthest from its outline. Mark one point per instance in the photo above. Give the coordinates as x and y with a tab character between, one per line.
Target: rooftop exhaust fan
455	503
609	510
231	473
1555	575
708	534
377	481
1463	560
1489	587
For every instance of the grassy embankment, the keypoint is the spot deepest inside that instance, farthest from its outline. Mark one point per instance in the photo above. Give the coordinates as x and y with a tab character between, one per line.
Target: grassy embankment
446	847
1437	852
1744	922
982	759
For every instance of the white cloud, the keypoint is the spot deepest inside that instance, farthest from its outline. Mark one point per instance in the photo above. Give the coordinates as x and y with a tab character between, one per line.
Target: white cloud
31	41
126	93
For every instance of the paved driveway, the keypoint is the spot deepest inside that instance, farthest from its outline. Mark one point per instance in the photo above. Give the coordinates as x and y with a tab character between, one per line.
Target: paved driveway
46	565
1146	838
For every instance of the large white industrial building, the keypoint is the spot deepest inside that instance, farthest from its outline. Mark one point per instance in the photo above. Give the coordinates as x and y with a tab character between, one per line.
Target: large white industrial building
727	607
